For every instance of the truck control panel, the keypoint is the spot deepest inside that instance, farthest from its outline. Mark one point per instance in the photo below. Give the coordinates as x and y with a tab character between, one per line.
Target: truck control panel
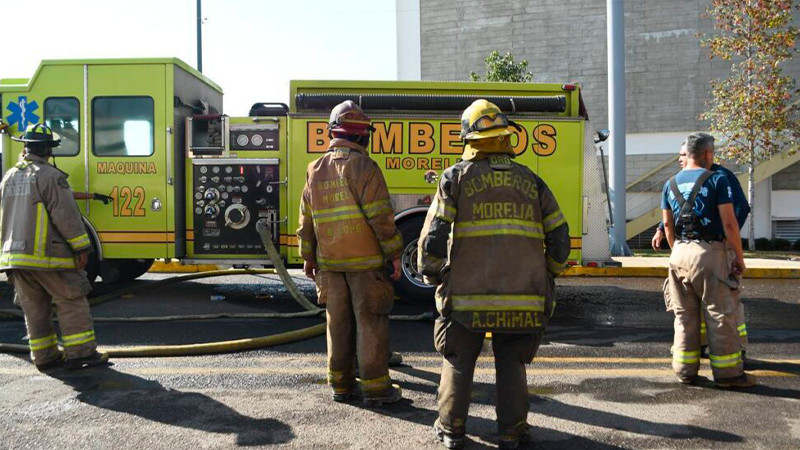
230	196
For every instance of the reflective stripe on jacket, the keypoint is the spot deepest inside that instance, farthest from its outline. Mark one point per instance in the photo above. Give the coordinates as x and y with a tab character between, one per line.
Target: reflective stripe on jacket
346	214
507	233
42	227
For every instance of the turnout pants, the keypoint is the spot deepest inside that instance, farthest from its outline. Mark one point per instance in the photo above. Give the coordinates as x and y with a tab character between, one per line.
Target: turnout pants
741	325
698	285
460	348
358	305
37	291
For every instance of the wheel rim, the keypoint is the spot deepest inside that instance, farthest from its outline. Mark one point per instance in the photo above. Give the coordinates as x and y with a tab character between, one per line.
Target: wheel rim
408	262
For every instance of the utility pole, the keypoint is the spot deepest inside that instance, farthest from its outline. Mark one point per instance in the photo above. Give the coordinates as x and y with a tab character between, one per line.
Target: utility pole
615	32
199	38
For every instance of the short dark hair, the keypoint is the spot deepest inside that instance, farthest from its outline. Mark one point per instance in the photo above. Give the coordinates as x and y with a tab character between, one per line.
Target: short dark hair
697	143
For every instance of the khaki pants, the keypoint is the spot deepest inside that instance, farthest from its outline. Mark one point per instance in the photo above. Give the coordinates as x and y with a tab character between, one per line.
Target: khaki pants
741	325
698	285
37	291
358	305
460	348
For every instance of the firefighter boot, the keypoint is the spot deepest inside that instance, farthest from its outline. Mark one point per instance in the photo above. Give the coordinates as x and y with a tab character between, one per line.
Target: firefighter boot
392	394
95	359
52	364
342	395
513	442
343	384
743	381
449	440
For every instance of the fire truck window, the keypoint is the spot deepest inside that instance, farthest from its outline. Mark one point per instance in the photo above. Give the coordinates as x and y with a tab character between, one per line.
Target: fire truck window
62	115
122	126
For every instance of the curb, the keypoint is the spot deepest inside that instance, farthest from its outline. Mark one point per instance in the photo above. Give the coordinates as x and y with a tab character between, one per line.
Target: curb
574	271
661	272
176	267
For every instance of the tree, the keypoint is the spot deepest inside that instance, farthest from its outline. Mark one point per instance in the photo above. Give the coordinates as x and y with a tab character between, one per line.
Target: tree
752	109
503	68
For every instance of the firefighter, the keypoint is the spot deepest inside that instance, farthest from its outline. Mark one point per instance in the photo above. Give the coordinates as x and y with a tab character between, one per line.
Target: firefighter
496	274
347	235
44	249
700	221
742	209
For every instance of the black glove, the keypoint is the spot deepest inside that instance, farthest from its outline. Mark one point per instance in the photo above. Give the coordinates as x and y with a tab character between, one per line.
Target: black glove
103	198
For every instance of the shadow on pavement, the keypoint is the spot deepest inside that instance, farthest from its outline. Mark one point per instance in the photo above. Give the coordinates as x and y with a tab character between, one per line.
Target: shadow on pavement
482	393
109	389
588	416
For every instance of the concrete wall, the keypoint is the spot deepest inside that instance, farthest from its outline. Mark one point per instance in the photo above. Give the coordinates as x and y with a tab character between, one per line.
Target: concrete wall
667	72
408	40
788	178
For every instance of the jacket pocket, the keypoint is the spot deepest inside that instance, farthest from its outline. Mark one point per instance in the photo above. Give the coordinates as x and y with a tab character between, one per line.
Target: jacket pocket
381	294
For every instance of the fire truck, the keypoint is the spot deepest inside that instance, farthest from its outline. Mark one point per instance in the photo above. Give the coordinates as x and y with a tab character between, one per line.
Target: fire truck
189	182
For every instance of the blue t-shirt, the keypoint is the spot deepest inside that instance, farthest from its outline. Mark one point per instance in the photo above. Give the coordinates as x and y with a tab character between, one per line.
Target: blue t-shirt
740	205
715	191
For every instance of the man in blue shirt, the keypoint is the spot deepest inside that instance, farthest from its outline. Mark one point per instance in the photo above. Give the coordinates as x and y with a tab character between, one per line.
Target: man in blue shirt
698	215
741	208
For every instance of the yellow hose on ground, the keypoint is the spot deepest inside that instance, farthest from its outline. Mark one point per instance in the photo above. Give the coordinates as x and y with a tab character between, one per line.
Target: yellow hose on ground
222	346
197	349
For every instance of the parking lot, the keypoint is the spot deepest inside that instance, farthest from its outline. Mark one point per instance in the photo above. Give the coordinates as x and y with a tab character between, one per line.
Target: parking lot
602	379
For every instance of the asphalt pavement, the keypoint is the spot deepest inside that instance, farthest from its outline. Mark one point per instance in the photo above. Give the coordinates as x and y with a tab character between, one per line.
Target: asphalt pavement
601	380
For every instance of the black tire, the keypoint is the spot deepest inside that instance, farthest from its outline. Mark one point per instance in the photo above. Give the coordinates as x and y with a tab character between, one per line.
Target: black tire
410	286
92	268
131	269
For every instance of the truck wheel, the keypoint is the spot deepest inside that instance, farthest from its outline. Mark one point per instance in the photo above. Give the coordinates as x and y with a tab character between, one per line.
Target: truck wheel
410	286
92	268
131	269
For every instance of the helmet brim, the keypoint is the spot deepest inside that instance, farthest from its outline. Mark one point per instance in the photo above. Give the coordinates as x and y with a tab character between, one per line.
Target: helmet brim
486	134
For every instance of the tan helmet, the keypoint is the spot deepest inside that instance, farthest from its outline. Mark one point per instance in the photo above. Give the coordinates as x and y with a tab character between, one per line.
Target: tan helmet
483	119
349	118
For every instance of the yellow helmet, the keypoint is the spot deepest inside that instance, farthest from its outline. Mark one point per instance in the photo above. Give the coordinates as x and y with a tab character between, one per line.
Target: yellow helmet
483	119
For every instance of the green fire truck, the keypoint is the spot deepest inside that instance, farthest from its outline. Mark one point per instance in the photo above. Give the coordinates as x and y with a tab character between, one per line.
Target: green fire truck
189	182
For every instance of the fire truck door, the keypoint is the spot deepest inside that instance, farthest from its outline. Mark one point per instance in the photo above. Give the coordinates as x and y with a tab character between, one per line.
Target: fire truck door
127	159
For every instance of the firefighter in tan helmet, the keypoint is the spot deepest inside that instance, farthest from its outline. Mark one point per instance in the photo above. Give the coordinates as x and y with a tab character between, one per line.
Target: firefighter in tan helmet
347	235
493	240
44	250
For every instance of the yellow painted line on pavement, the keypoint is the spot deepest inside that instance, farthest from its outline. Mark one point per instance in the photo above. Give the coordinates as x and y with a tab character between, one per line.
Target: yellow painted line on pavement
538	360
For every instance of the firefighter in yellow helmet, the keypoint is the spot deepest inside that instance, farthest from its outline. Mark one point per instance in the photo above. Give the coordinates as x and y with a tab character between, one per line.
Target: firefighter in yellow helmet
44	250
347	236
509	241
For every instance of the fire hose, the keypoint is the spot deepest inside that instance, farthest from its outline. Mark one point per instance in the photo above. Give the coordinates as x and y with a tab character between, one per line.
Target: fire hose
311	310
